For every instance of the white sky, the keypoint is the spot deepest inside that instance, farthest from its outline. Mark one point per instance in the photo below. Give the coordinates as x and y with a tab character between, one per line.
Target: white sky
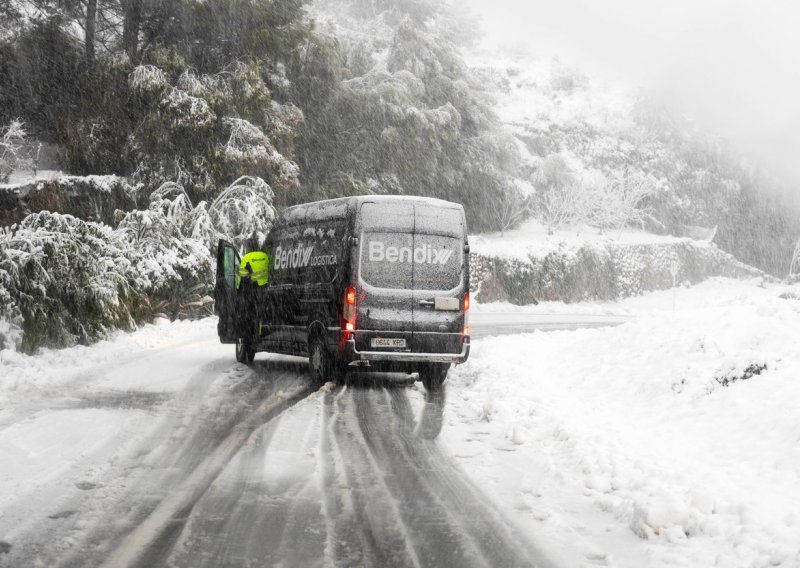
733	66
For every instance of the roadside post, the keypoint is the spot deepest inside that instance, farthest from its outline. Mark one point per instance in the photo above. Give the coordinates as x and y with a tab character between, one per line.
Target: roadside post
673	269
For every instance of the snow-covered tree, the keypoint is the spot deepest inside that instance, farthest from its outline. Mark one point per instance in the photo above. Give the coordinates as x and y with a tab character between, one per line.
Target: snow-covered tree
390	106
510	208
12	148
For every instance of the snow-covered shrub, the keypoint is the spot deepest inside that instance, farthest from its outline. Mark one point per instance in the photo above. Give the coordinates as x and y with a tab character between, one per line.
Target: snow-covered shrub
611	201
10	315
510	208
794	265
561	197
65	281
243	208
186	114
603	271
148	79
174	271
70	279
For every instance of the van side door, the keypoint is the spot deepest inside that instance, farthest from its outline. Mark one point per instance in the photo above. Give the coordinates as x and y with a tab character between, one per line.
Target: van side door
225	291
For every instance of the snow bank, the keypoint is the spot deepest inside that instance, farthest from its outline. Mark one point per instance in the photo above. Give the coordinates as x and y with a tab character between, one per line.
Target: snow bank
671	440
23	376
528	265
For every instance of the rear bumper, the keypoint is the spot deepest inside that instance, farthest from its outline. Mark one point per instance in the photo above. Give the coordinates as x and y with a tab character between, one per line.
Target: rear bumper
352	354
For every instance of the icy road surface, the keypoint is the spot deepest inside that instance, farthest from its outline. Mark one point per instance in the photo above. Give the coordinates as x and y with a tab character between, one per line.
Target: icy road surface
139	453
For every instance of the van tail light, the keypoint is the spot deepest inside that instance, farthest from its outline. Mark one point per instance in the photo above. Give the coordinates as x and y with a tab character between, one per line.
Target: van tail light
466	314
349	311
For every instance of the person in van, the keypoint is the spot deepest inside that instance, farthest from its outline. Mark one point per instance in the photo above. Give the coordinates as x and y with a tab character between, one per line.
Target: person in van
253	275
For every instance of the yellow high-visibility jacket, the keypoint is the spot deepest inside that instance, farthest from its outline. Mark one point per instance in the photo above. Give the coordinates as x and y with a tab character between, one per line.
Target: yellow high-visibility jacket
254	265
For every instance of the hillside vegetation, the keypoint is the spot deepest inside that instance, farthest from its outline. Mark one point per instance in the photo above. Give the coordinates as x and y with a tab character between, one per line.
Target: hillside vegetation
206	117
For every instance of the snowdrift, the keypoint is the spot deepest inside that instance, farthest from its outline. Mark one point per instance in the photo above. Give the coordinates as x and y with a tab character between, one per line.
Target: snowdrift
670	440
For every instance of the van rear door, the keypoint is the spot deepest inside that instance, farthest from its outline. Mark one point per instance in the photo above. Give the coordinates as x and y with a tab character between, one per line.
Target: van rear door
385	301
440	279
411	276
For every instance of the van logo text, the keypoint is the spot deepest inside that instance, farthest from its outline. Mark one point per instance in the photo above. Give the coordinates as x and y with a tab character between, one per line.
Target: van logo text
300	256
425	254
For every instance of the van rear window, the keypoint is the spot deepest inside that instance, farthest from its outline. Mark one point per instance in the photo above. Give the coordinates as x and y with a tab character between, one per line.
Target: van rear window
386	260
406	261
438	262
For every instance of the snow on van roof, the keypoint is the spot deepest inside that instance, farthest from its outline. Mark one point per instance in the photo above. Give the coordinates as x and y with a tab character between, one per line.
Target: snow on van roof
332	208
377	199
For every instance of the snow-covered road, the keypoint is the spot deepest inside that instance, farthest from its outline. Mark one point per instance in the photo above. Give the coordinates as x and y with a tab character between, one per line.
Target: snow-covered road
156	448
669	440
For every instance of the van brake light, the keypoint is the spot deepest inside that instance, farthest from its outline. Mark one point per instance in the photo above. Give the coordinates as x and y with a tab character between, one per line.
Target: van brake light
349	311
465	331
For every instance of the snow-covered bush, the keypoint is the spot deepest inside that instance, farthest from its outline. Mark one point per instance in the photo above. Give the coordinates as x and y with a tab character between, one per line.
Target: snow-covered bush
173	270
510	208
65	281
607	270
70	279
611	201
794	265
148	78
10	315
245	207
562	198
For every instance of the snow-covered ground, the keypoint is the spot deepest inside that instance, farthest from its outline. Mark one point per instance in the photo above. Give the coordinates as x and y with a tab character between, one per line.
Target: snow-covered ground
532	239
645	444
22	177
637	445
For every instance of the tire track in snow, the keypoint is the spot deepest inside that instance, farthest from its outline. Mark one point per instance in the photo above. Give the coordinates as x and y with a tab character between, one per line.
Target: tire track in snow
147	544
264	500
372	514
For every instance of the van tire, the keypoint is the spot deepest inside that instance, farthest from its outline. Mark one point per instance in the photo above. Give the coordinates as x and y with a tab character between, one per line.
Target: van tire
322	365
245	352
433	375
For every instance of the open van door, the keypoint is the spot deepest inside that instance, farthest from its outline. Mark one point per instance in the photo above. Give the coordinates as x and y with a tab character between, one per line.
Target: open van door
225	291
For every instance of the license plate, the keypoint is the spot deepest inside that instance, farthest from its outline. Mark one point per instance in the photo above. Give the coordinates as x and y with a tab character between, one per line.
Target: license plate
449	304
387	342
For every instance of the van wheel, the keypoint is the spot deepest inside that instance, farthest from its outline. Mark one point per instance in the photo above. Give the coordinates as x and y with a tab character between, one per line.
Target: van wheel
433	375
245	352
321	363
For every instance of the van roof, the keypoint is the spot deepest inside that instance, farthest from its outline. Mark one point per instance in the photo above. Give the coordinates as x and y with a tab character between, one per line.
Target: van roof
329	208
